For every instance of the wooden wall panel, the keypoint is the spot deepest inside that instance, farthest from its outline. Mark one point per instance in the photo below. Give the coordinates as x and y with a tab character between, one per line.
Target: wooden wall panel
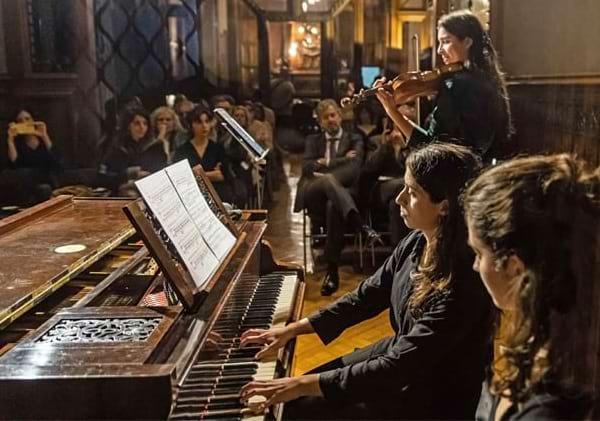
552	118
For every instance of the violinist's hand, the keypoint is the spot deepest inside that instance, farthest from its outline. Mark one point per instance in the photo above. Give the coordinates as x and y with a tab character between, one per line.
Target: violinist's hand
408	111
322	161
351	154
384	96
274	339
281	390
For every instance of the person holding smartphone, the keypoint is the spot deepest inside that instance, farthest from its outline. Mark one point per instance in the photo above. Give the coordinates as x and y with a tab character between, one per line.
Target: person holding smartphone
33	167
29	145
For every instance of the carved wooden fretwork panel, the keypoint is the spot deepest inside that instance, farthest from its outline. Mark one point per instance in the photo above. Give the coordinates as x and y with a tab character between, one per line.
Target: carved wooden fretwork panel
101	330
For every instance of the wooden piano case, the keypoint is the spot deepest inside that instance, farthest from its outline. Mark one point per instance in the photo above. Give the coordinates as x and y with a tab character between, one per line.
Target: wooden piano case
107	354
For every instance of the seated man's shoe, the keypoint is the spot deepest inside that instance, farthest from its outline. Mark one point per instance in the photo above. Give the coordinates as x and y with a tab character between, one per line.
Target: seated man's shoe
372	237
331	282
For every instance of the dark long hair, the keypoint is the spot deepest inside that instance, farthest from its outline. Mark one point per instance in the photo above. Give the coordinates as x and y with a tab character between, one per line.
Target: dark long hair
125	119
546	211
483	56
443	170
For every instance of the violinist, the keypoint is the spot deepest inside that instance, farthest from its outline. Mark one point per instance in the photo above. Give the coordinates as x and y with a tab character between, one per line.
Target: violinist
471	106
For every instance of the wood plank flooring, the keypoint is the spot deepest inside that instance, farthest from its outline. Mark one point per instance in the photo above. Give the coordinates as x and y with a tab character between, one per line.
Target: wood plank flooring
285	234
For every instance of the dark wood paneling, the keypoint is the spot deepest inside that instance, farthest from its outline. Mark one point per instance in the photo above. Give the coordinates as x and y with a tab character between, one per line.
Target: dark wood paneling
553	118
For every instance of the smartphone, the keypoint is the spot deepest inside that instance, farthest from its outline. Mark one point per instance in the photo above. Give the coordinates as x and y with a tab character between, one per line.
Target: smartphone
25	128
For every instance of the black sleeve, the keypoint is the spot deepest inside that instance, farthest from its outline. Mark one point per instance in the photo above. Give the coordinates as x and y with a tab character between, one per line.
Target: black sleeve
549	407
445	120
368	300
358	146
112	171
376	163
223	159
461	114
311	155
446	321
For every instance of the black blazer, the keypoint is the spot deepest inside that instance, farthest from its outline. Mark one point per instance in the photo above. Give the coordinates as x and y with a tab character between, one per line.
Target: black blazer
433	366
344	169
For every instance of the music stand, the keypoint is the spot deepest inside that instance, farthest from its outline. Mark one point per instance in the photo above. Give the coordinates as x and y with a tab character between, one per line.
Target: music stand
255	151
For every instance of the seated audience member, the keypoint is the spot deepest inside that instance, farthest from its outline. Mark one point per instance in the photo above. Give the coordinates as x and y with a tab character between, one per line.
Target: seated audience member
262	131
259	126
205	154
223	101
134	154
534	226
31	158
30	146
268	112
381	180
433	365
168	129
282	96
366	122
331	165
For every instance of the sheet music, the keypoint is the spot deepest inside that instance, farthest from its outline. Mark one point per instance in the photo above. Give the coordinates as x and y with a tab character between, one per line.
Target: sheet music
162	198
215	233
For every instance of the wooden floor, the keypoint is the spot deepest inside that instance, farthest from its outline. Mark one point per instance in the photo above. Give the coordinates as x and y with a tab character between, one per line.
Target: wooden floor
285	234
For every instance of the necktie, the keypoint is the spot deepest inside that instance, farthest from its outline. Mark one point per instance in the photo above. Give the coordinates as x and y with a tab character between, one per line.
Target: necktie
331	149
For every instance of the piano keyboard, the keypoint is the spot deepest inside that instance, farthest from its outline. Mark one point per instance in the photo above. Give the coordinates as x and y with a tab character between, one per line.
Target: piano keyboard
211	388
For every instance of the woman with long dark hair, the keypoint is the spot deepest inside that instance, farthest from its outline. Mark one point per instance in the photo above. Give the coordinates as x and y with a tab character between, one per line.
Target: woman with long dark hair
534	226
472	105
134	154
433	365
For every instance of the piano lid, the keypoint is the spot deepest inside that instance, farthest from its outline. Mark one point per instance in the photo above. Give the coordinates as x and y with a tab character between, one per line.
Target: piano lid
42	247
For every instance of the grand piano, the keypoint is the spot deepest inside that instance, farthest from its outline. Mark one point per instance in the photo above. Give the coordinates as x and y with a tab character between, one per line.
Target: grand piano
97	322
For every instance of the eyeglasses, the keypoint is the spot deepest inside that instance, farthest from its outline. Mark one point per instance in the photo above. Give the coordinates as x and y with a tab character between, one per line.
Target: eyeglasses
164	119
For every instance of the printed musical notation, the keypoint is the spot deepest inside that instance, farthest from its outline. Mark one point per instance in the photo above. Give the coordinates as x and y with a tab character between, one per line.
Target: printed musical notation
199	236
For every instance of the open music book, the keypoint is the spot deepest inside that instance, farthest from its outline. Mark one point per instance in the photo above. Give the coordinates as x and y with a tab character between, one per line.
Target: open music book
198	235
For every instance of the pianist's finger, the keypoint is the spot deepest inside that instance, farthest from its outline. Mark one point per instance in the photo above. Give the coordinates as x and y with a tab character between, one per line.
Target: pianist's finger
264	388
269	350
254	336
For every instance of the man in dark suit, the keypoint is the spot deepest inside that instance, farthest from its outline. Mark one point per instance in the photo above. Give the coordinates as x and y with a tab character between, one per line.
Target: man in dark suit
332	161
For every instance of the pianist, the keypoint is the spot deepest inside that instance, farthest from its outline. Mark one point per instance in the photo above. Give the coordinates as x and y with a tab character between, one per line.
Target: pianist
434	364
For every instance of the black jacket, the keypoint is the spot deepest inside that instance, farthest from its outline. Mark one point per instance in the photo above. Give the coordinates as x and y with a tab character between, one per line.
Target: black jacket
344	169
434	364
126	155
549	402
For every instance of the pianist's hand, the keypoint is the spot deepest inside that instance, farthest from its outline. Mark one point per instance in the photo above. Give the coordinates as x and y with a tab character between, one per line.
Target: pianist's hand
282	390
274	339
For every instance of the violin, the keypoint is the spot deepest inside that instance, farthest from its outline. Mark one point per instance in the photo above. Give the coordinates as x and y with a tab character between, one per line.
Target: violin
408	86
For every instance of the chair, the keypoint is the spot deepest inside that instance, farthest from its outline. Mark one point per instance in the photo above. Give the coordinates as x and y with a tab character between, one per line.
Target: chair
307	234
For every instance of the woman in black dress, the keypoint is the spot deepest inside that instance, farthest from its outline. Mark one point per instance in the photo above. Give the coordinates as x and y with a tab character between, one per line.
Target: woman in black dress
432	367
205	154
534	226
472	105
